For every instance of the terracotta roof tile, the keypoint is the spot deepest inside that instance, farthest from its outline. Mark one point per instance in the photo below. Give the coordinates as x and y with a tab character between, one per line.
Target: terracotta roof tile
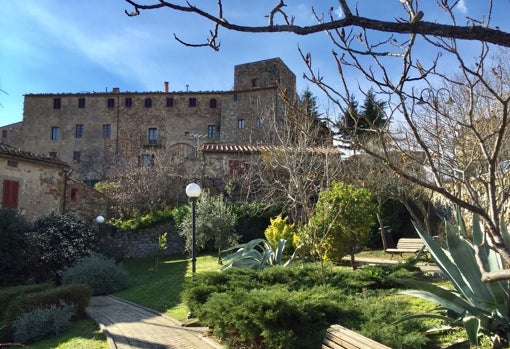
249	148
9	150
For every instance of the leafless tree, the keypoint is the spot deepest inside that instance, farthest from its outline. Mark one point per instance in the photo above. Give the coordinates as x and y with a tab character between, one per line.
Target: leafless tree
300	161
279	21
446	88
145	186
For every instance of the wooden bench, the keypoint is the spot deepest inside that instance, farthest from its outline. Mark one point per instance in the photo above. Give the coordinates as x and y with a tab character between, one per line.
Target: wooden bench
407	245
339	337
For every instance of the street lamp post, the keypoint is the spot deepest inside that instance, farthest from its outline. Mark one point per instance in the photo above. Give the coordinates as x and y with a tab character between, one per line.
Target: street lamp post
193	191
438	99
99	220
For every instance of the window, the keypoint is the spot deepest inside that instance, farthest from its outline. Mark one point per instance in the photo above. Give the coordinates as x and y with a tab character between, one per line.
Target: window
53	154
74	195
259	122
240	124
78	131
211	131
253	82
111	103
107	131
76	156
235	97
56	103
169	102
128	102
186	134
12	163
4	133
212	103
147	160
192	102
10	194
148	102
55	133
153	135
81	102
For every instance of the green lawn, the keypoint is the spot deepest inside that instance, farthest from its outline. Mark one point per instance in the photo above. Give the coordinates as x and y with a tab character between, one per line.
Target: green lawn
161	289
83	334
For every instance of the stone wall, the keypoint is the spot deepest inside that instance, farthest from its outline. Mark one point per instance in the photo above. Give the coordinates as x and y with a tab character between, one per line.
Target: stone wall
142	243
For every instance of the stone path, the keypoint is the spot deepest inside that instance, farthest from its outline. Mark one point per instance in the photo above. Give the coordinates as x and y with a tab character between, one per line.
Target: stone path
131	326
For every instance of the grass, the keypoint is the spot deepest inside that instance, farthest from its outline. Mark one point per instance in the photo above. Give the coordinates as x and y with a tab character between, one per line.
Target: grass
161	288
82	334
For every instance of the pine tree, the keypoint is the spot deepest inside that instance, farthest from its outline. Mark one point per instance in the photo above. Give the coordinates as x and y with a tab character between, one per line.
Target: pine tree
309	103
356	124
373	115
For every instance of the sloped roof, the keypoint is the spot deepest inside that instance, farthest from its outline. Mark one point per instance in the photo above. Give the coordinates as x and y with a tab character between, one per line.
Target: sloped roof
11	151
249	148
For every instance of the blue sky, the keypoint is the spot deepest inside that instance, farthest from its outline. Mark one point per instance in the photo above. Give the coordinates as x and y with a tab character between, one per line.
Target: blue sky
55	46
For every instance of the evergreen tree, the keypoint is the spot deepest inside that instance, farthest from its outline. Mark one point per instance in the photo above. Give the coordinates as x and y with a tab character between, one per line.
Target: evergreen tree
373	115
356	123
309	103
347	125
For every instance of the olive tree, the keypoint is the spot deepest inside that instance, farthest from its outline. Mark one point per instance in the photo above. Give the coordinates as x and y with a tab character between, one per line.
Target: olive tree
215	223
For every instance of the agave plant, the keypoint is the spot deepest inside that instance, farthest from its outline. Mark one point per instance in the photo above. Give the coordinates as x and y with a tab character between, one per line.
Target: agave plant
256	254
481	308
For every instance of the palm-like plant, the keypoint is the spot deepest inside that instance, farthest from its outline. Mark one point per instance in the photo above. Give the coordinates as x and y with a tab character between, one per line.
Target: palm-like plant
256	254
477	306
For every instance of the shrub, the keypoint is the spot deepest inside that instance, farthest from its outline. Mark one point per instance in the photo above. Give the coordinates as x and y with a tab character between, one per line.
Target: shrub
282	307
78	295
147	220
7	294
12	258
280	229
41	322
102	274
342	223
272	316
253	218
56	243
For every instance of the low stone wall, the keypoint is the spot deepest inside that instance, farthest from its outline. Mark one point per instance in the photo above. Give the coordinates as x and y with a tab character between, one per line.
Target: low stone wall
142	243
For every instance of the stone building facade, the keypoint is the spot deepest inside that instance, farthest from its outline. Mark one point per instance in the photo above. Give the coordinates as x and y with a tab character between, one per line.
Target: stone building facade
38	185
95	132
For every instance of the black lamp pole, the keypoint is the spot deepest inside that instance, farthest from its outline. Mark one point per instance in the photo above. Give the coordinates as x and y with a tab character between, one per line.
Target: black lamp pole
193	192
193	237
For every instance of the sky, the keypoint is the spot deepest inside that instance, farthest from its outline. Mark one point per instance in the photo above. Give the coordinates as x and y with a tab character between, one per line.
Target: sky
73	46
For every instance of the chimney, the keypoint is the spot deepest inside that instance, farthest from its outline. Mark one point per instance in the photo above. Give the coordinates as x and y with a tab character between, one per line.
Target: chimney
116	90
166	86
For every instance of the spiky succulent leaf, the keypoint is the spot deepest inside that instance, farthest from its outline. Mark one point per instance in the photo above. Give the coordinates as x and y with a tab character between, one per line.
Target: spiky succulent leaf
480	306
447	298
256	254
472	326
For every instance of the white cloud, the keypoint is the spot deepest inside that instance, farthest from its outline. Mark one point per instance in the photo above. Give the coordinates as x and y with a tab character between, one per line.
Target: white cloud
339	12
462	7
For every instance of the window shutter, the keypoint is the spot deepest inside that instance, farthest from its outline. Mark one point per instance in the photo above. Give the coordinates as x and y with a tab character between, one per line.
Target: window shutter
10	194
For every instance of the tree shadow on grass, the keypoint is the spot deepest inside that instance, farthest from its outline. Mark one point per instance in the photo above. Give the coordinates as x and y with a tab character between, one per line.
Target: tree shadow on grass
157	288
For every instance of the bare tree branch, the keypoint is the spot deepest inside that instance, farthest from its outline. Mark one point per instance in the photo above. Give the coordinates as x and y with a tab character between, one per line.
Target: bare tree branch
414	25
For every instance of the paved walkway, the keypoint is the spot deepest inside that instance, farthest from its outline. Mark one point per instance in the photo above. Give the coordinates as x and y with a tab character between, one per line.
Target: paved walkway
129	326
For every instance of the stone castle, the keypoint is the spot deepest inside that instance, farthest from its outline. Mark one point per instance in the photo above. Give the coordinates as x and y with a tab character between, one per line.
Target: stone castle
94	132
